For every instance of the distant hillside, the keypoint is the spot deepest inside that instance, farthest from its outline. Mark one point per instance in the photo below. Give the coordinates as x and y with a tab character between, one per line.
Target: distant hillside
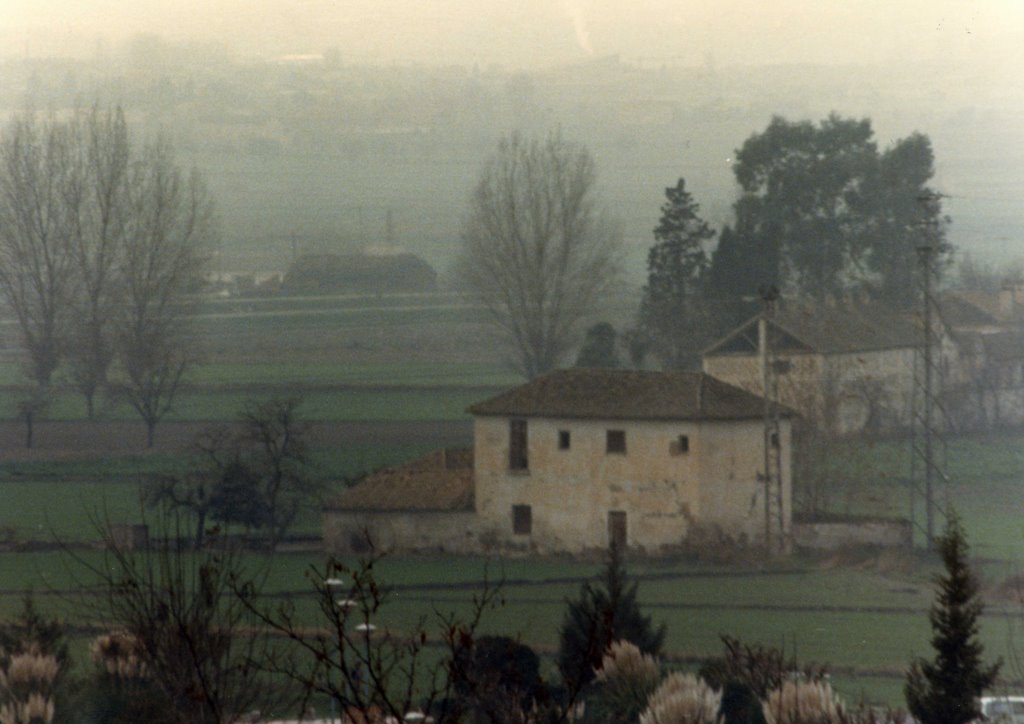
313	274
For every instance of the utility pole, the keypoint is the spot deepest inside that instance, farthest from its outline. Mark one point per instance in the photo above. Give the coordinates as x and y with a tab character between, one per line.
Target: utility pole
774	516
925	434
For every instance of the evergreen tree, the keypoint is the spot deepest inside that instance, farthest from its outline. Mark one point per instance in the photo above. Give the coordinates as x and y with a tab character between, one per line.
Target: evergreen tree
603	613
599	347
946	690
670	312
822	212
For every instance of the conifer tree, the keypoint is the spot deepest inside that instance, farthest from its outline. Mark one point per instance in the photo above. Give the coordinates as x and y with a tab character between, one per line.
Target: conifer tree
669	312
603	613
946	690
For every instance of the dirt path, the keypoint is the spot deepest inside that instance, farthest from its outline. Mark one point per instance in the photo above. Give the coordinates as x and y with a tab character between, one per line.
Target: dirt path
83	439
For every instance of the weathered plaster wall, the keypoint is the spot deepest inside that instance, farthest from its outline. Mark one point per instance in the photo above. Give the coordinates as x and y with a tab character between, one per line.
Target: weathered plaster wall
732	496
848	390
405	531
571	492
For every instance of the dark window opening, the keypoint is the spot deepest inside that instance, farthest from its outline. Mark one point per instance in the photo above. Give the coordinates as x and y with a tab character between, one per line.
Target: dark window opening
563	440
522	519
616	442
617	529
517	457
680	445
775	439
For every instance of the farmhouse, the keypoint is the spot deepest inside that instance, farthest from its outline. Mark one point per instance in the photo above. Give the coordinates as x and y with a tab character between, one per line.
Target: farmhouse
576	459
845	367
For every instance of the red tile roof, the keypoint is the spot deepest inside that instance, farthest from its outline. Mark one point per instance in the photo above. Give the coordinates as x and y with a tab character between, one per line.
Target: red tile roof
441	480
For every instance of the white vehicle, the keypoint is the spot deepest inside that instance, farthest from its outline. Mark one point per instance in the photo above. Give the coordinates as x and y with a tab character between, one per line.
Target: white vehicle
1008	709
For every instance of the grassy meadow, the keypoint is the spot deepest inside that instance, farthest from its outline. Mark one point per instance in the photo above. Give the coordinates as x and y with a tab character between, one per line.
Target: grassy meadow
420	359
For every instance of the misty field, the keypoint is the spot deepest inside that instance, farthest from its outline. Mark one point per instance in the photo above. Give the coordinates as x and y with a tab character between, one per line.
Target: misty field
412	363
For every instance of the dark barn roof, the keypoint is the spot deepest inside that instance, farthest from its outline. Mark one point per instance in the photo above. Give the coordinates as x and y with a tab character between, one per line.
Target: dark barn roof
825	329
625	395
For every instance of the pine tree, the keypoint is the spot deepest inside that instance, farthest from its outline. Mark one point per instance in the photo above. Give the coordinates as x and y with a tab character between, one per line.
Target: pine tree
946	690
603	613
669	310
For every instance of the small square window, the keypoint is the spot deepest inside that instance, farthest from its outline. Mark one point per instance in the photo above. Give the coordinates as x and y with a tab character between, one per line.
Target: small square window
680	446
616	442
522	519
564	440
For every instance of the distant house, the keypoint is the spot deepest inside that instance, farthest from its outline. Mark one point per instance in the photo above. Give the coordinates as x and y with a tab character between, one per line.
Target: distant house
578	458
315	274
989	332
845	367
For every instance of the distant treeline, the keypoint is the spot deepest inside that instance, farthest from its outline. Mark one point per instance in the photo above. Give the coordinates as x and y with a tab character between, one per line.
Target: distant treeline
312	274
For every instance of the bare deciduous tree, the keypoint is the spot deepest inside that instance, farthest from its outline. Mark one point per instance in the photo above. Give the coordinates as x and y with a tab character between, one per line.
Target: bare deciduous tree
536	247
170	219
96	230
368	671
104	157
190	631
39	200
257	474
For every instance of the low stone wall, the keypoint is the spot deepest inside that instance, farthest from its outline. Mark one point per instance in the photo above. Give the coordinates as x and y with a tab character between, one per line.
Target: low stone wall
830	535
417	531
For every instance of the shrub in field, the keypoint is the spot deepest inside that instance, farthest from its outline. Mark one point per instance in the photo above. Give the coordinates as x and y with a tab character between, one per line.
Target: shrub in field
761	668
257	474
603	613
740	705
681	699
804	702
500	679
626	679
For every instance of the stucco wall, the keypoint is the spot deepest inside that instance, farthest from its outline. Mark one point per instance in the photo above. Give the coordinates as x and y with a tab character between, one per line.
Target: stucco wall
571	492
847	390
405	531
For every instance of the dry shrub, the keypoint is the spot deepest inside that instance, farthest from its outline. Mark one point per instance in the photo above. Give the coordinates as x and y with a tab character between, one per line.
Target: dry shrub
626	679
27	685
119	654
804	702
681	699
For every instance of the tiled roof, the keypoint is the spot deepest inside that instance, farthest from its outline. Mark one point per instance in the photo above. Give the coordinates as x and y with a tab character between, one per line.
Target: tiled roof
625	395
958	312
834	329
440	480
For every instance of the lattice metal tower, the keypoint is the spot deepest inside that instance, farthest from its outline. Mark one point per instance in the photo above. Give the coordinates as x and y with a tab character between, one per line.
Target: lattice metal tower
775	533
929	419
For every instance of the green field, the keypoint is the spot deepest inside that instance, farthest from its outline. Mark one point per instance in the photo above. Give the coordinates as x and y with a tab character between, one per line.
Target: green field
426	359
865	625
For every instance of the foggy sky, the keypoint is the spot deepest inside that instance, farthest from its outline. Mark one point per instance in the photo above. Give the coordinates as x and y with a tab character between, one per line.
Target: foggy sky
528	33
